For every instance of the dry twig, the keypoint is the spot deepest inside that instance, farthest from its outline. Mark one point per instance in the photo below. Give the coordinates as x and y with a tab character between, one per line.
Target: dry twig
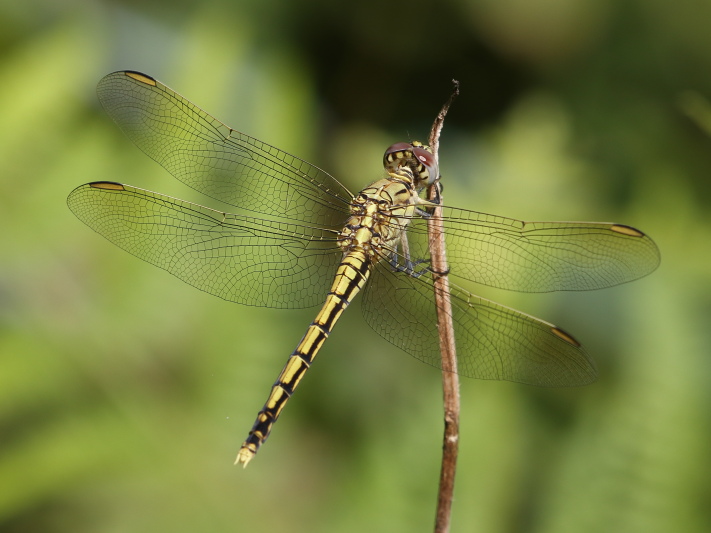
450	379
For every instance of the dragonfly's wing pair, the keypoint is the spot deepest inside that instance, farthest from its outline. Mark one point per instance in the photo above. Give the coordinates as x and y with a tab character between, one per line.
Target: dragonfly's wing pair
218	161
276	264
290	263
494	341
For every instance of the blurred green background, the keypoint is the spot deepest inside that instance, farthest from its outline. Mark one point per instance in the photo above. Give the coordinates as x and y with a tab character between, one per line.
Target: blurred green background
125	394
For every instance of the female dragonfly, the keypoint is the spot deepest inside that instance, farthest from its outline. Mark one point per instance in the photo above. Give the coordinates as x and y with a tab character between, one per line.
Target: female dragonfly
301	238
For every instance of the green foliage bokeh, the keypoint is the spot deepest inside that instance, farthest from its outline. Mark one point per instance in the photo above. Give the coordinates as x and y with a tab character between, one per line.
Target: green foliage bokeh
124	394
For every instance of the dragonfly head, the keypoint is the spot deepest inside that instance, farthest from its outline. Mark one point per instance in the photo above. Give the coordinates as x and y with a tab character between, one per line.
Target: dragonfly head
415	156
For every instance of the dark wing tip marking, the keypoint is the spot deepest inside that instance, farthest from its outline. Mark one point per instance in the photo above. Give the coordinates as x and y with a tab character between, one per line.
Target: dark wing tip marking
567	337
626	230
143	78
110	185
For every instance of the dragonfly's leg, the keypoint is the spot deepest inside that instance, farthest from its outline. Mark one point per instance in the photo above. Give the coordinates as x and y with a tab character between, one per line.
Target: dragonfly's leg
417	273
409	265
424	207
439	187
405	244
393	262
423	213
395	258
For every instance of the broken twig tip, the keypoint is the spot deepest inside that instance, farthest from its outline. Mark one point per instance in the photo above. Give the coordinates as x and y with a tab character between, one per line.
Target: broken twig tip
439	121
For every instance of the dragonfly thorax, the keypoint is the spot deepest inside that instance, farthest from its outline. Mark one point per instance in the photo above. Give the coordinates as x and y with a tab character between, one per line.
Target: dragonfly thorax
380	214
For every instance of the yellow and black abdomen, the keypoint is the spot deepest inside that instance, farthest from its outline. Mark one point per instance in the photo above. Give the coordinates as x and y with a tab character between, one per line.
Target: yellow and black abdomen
350	277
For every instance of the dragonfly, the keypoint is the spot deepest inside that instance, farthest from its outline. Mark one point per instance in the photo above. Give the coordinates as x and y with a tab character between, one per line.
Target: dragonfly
298	237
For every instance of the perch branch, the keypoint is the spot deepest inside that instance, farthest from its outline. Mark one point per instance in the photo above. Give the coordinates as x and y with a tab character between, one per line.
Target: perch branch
450	379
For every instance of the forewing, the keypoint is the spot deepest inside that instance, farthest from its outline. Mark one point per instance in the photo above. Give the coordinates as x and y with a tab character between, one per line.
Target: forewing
216	160
538	256
241	259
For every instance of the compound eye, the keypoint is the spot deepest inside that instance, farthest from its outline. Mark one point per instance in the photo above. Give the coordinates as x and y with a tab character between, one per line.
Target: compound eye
398	147
424	157
427	160
396	155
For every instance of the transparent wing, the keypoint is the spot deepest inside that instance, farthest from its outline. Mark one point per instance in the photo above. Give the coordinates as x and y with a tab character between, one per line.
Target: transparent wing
493	341
241	259
216	160
538	256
